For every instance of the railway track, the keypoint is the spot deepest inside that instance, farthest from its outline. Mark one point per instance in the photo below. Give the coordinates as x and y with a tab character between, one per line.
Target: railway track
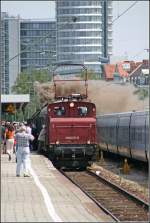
118	203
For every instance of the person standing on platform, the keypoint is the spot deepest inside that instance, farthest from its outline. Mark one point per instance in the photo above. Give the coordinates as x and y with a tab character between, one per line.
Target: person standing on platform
29	131
35	134
41	139
23	151
9	136
3	143
28	128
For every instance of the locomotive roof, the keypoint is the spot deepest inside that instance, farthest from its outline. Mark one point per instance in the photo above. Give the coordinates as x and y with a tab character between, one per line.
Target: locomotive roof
60	101
43	111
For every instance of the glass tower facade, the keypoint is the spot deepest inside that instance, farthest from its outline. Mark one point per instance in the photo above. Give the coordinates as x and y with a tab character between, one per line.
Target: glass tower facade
38	44
9	42
3	56
25	45
84	31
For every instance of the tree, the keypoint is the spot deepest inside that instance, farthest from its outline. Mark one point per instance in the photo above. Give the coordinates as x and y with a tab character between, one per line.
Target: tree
25	85
25	82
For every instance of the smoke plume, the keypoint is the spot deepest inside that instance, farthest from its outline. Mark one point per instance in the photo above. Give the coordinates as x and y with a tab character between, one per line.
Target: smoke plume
109	97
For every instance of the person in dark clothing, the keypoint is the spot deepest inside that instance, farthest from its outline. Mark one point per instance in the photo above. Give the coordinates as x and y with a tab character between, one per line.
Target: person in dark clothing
41	139
35	134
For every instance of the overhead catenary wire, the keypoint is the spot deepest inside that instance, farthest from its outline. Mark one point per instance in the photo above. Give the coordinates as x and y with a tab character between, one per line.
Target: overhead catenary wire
37	42
140	52
30	42
124	11
34	43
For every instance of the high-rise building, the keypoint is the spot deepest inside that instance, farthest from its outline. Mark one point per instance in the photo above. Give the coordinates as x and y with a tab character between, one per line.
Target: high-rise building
2	54
84	31
10	47
25	45
38	44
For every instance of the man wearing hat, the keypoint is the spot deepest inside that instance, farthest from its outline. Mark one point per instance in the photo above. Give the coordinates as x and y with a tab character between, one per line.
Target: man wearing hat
23	150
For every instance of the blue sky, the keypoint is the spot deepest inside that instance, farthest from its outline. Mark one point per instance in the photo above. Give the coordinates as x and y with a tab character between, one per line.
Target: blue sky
130	31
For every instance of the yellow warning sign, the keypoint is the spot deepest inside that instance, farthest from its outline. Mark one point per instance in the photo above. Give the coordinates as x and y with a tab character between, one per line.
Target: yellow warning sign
10	108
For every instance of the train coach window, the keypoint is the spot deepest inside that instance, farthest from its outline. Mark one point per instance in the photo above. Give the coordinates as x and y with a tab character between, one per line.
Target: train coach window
82	111
59	111
132	134
139	134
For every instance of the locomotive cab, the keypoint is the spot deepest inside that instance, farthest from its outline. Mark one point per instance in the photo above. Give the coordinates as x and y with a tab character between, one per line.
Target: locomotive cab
82	111
72	132
59	111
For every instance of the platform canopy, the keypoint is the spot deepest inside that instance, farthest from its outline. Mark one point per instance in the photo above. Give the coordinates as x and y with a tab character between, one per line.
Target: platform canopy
12	102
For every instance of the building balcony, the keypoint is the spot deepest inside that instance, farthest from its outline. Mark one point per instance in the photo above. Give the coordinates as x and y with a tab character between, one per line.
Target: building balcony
78	53
81	45
81	7
81	37
89	14
74	30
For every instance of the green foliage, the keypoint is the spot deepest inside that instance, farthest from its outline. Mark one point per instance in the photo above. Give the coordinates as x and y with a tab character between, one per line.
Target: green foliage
25	85
25	81
142	93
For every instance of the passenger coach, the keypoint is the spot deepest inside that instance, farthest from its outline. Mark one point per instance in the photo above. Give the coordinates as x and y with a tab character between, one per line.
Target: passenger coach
126	134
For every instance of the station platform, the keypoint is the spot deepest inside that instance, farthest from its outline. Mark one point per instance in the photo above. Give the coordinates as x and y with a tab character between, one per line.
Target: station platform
45	196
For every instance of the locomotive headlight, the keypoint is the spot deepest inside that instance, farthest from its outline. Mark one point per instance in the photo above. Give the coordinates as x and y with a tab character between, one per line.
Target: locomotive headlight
57	142
71	105
88	142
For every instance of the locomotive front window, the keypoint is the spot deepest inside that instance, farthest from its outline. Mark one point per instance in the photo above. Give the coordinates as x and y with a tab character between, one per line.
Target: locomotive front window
59	111
82	111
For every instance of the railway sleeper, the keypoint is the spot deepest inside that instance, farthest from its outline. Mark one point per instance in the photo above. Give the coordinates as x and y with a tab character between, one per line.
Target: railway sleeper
133	219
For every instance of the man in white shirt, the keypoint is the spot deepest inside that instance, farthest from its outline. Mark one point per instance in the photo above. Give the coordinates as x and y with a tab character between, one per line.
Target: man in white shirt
23	151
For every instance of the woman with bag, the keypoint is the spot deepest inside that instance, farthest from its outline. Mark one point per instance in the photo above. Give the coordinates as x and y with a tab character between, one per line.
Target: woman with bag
9	136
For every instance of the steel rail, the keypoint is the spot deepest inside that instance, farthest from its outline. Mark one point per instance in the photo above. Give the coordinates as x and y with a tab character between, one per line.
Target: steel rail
120	189
115	187
95	201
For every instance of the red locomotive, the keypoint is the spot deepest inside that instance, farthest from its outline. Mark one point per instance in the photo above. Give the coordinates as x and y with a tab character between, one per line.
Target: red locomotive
70	139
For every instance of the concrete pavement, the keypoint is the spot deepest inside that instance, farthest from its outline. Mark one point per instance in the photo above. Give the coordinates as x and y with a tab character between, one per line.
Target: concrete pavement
46	196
